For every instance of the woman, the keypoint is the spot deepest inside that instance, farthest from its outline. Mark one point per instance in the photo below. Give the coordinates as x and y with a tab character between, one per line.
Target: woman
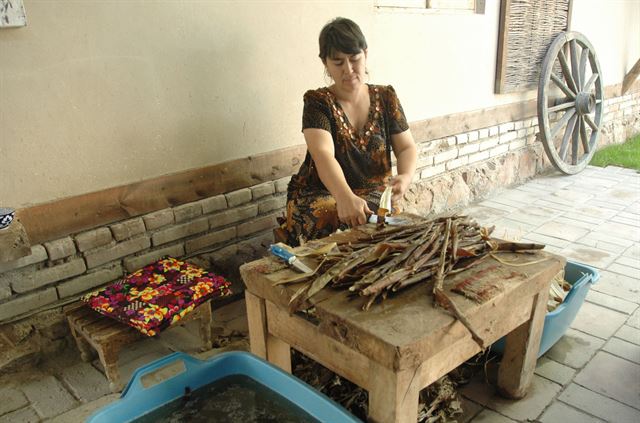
350	128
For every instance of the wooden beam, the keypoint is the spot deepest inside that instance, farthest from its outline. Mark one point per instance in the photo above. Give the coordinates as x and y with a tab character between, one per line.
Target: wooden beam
74	214
630	77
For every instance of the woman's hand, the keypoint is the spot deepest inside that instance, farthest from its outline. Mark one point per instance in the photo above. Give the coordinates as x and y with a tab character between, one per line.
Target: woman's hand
399	185
353	210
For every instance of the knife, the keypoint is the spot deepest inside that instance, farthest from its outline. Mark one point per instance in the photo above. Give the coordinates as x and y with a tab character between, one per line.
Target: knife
290	258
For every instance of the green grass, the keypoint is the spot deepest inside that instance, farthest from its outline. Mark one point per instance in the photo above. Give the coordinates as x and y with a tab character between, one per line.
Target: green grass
623	155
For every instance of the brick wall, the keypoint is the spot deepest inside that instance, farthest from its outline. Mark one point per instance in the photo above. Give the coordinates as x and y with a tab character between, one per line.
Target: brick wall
224	231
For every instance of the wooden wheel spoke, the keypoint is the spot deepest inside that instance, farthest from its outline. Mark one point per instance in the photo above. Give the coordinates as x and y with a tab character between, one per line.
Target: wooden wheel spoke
563	121
590	122
560	83
562	106
584	56
567	72
575	71
590	82
574	142
583	137
564	147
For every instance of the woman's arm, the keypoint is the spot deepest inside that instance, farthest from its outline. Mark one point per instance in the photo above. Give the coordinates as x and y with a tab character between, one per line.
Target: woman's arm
352	209
404	148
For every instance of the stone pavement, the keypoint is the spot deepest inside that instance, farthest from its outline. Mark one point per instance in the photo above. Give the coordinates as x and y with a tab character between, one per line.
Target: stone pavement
591	375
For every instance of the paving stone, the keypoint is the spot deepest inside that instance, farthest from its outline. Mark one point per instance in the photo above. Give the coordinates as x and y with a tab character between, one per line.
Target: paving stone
85	382
504	199
580	223
623	349
629	261
627	232
534	215
469	410
574	349
494	205
598	321
626	221
83	412
554	371
24	415
629	334
624	270
633	252
634	320
607	205
560	412
185	338
229	312
489	416
611	302
541	392
619	286
11	400
613	377
48	397
588	255
546	240
595	238
511	230
562	230
596	212
485	215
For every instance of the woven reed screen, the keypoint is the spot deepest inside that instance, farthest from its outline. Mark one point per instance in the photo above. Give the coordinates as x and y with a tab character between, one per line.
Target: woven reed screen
527	28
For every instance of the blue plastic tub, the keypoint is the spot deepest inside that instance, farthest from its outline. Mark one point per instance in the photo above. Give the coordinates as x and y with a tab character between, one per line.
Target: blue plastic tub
165	380
557	322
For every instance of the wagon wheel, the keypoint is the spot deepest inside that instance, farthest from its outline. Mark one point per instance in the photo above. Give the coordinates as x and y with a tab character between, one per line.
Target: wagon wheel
570	102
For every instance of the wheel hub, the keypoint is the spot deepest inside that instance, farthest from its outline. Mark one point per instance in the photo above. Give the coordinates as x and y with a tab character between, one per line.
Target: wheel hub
585	103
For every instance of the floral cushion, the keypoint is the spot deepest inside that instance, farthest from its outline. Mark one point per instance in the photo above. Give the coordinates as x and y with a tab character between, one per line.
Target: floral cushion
158	295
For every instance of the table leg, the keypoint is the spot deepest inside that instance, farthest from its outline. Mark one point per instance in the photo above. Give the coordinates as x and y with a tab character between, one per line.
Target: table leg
279	353
257	321
521	351
205	323
393	397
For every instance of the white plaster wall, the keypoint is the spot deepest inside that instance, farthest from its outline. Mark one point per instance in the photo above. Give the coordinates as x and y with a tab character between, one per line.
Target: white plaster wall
96	94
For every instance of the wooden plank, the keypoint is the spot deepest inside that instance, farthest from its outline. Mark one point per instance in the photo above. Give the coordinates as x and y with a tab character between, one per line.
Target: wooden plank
74	214
501	64
521	352
305	337
257	322
630	77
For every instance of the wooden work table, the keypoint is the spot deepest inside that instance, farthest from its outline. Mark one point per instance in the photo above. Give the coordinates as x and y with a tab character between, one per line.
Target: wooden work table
404	343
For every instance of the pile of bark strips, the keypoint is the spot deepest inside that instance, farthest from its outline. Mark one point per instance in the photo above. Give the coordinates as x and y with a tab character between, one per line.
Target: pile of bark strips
394	257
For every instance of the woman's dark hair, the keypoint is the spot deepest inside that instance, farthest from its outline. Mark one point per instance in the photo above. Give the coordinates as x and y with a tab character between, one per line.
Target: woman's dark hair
341	35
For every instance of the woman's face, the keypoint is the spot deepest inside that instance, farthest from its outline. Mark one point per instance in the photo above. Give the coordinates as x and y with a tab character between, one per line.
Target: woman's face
347	70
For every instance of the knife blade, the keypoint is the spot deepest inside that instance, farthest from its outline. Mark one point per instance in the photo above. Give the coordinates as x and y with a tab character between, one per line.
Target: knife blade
290	258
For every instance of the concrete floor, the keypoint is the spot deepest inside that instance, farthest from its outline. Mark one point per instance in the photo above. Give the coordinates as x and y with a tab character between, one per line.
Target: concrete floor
591	375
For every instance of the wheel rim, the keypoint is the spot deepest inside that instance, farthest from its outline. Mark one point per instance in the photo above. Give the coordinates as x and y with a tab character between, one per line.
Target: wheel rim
570	102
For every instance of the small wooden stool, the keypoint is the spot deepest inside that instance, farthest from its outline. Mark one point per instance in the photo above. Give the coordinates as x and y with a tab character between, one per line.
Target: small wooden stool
107	336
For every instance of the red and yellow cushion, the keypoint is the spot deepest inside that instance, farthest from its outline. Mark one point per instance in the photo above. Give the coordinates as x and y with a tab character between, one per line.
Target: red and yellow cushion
158	295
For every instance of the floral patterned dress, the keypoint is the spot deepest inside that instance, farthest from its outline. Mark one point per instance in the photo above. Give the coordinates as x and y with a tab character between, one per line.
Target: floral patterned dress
364	156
